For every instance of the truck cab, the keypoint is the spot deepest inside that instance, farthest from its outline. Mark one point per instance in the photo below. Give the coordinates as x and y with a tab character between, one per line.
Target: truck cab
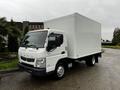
41	50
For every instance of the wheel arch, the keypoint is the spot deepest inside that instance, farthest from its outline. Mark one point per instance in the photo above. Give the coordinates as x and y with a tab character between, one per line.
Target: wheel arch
64	61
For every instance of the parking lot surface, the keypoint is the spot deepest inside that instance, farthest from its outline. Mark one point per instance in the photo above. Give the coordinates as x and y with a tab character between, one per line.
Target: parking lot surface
103	76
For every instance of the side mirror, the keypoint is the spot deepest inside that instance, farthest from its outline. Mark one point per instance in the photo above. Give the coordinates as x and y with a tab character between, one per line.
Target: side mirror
48	48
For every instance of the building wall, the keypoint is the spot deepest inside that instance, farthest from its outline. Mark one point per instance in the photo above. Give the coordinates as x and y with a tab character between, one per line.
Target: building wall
33	25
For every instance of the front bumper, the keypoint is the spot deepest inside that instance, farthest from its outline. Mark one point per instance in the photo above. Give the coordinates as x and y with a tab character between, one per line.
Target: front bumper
33	70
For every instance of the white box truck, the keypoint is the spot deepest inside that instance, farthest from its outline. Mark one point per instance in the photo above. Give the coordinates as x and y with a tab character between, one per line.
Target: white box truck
63	41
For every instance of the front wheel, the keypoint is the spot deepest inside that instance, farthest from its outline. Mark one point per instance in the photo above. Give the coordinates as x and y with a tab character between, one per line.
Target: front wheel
59	71
90	61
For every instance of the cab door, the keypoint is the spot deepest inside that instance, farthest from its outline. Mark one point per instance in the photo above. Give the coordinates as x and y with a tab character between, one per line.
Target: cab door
55	50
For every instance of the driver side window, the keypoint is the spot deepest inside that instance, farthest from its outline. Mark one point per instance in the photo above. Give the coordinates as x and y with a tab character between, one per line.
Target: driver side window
54	40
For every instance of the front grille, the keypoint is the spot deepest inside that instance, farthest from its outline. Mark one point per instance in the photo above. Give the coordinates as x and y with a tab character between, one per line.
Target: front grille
27	59
27	65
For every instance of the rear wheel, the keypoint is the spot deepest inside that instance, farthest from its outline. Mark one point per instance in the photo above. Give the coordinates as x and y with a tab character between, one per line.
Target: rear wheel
59	71
90	61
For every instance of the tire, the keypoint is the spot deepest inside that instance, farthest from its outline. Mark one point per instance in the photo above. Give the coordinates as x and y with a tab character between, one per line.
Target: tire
90	61
59	72
96	59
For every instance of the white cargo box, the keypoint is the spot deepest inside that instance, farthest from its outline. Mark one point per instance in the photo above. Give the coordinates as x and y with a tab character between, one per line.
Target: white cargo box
83	34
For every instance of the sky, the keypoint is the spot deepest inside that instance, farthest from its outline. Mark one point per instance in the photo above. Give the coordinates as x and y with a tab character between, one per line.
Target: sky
106	12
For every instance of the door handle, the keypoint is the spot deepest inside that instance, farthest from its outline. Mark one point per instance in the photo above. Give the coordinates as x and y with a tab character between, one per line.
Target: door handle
63	52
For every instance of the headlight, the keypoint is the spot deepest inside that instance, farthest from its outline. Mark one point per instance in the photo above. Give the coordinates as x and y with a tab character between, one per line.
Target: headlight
41	63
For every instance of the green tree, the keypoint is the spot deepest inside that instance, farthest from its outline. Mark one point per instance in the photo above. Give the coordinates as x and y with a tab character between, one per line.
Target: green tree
14	35
3	32
11	31
26	30
116	36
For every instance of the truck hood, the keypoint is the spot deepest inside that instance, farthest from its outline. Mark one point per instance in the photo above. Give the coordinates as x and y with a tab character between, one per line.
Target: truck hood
32	52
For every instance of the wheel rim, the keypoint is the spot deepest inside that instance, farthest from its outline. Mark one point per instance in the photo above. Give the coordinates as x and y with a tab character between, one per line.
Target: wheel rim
60	71
93	60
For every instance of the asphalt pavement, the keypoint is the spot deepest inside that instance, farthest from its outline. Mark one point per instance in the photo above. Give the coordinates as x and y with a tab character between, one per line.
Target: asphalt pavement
103	76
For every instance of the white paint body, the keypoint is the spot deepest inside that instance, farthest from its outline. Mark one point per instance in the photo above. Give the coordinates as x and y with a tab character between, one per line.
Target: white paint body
82	37
83	34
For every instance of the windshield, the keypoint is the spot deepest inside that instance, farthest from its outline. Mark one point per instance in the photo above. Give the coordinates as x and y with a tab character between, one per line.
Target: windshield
34	39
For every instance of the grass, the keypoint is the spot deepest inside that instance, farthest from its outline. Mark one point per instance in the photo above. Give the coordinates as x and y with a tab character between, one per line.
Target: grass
8	52
4	65
111	46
